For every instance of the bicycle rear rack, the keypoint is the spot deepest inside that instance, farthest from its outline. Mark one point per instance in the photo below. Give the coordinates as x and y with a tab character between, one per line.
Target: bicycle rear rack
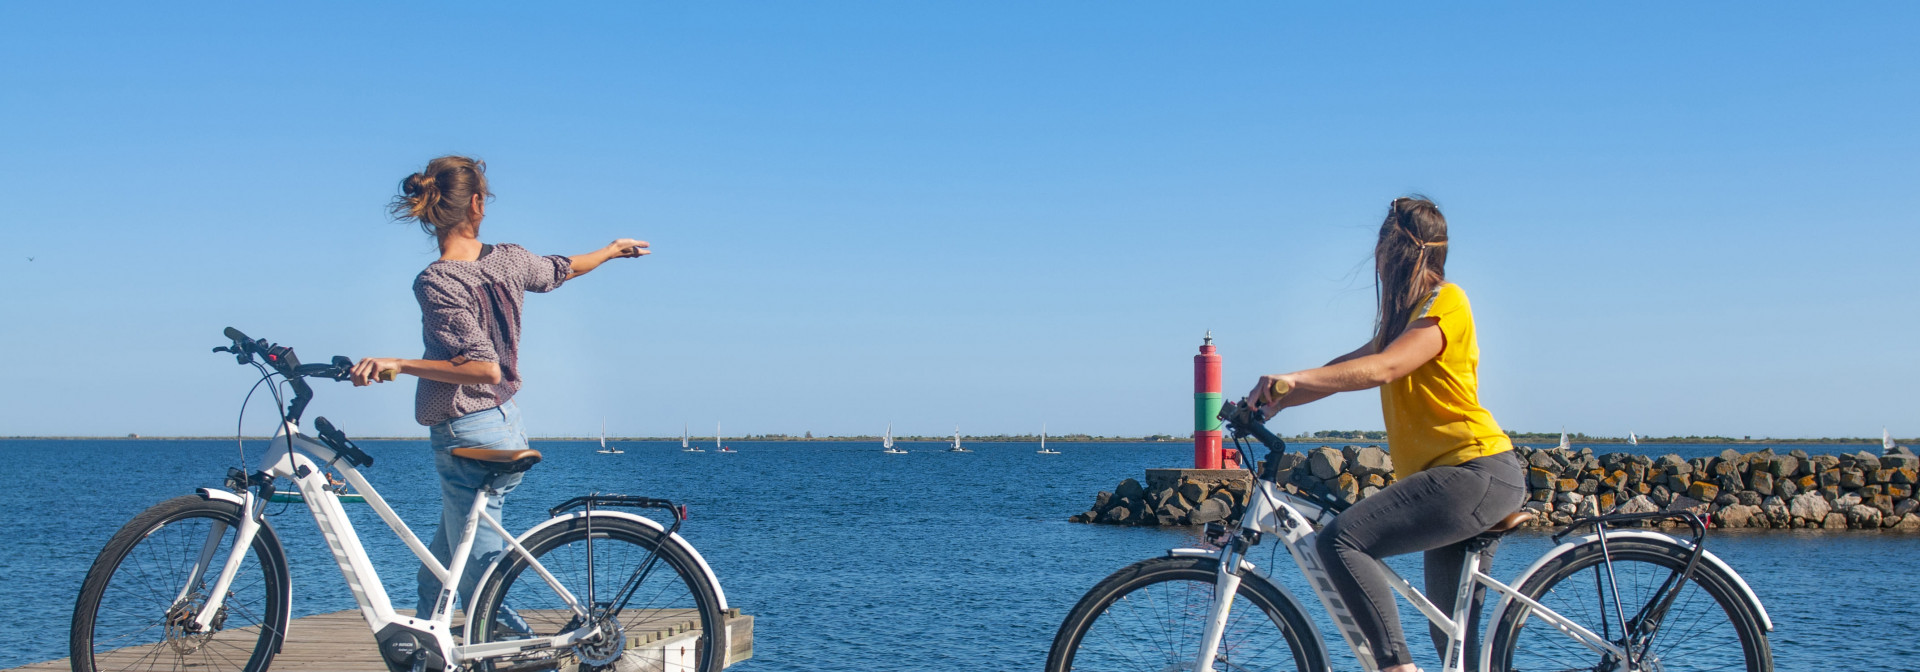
596	500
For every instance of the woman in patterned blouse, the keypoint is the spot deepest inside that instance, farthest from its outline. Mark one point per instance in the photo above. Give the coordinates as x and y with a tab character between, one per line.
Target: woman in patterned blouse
470	301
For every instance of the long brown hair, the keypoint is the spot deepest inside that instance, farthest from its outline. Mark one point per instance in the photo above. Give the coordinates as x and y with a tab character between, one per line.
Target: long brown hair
439	198
1409	261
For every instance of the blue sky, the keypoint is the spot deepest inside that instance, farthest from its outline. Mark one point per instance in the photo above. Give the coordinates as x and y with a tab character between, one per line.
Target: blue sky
1670	219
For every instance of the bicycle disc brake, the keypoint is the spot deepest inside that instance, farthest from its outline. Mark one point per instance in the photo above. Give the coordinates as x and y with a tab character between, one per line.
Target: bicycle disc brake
604	649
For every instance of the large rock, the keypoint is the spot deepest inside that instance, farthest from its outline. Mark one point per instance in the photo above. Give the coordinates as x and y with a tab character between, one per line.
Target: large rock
1540	479
1908	523
1851	478
1326	463
1703	491
1784	466
1901	458
1737	516
1685	503
1543	460
1210	511
1672	464
1641	504
1785	488
1129	489
1118	515
1193	491
1863	517
1281	469
1823	462
1347	487
1835	521
1810	506
1371	461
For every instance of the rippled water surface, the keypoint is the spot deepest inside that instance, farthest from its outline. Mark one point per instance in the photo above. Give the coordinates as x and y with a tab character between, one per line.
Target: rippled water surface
854	560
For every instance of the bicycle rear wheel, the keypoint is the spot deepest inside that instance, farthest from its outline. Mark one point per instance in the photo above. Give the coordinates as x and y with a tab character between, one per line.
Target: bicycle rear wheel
1710	626
669	620
136	605
1151	614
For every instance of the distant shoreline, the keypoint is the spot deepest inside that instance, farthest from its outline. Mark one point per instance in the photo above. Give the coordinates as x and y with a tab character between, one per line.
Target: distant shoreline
1521	438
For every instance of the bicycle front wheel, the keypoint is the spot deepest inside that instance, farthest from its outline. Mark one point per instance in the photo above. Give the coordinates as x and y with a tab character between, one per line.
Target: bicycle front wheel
136	609
1150	617
1709	626
651	598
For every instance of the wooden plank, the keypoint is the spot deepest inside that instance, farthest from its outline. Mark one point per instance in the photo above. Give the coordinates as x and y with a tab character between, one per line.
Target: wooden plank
339	642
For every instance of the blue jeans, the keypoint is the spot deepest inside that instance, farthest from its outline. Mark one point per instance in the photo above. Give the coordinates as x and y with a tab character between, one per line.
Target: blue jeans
460	482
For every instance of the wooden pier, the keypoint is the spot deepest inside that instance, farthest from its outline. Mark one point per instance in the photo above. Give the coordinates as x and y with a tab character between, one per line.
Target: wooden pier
340	642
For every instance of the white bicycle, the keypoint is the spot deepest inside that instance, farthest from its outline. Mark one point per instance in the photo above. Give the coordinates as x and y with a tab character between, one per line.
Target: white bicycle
1612	600
200	581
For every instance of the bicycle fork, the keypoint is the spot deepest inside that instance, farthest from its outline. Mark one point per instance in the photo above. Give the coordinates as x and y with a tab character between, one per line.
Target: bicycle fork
1225	585
243	540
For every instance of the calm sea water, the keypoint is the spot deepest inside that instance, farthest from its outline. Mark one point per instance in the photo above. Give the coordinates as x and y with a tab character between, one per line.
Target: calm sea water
854	560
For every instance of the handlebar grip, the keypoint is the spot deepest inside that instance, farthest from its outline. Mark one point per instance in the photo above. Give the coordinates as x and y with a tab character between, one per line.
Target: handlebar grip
234	334
388	374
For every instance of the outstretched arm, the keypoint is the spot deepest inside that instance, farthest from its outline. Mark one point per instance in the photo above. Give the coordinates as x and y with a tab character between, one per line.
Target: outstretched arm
458	371
1357	370
619	249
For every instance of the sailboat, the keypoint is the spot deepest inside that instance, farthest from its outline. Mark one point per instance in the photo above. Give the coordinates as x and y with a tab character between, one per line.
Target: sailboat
887	443
956	442
687	448
604	450
1564	444
716	440
1632	440
1043	442
1886	442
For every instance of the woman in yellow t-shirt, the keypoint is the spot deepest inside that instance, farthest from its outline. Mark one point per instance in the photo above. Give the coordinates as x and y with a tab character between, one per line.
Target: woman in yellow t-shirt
1456	472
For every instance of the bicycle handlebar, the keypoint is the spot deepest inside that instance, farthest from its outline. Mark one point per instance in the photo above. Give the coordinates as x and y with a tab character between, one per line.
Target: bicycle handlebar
282	359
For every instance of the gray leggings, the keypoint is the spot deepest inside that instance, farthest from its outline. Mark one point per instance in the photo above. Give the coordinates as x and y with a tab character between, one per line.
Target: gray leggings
1436	511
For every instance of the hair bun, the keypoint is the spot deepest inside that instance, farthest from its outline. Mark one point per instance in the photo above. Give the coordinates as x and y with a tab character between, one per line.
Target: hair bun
437	197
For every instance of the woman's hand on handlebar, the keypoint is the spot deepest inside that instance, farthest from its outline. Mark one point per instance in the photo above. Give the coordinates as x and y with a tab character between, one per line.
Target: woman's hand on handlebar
375	370
1269	392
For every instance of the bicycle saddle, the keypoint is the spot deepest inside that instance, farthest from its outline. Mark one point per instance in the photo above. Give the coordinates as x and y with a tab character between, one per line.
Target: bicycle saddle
1510	522
503	461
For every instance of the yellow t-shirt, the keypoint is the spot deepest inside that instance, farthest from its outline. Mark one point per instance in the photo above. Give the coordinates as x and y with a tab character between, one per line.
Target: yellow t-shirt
1434	417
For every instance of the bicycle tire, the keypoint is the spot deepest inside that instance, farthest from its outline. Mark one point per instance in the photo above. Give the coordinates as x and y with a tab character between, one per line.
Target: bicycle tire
153	555
1571	585
620	544
1188	581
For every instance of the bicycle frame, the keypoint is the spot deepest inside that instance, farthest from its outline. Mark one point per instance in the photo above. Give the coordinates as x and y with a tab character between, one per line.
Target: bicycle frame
1291	520
296	457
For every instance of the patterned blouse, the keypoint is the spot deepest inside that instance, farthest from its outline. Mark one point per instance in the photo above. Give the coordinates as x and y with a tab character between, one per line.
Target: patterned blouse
471	309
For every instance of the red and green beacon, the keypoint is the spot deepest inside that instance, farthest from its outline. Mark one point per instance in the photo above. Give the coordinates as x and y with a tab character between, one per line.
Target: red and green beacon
1207	453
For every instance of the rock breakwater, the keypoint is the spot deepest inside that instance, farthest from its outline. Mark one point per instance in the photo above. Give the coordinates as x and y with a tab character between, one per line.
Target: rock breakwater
1761	489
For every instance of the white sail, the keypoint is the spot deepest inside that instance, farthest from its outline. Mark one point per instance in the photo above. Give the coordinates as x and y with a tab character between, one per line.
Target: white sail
1563	440
603	433
1043	436
1886	440
887	442
683	436
1632	440
956	437
716	436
